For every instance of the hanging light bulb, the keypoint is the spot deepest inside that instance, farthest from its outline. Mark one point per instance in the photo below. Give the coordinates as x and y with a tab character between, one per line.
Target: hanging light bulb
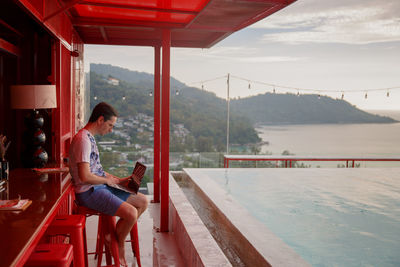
249	86
123	98
151	93
95	97
319	95
387	94
202	86
274	91
298	93
342	95
177	92
366	96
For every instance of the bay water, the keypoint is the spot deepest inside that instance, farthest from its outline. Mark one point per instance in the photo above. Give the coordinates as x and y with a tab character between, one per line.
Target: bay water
350	140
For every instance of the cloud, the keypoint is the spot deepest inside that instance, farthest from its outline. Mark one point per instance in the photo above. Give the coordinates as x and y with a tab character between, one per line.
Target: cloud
347	23
231	54
268	59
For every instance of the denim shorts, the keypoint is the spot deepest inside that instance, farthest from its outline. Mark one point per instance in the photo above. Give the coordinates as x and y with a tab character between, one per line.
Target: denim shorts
102	198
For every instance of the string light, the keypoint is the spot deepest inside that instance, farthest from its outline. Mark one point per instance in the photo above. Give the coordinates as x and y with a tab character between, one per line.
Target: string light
95	97
306	90
151	93
177	92
123	98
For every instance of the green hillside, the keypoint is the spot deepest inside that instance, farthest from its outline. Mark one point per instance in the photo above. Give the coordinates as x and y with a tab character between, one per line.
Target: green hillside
201	112
303	109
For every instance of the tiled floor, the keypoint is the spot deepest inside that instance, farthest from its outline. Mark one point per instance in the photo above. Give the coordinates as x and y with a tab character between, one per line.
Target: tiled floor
156	249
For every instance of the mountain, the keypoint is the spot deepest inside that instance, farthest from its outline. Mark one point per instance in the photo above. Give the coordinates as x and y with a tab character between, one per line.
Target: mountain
201	112
272	108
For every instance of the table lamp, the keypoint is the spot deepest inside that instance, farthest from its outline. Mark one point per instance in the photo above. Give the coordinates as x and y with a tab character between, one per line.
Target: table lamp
34	97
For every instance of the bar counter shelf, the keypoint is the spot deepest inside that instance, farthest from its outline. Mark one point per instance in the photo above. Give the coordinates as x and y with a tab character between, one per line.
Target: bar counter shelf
21	231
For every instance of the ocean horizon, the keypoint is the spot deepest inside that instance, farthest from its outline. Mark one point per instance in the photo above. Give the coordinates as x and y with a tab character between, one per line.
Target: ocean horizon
361	140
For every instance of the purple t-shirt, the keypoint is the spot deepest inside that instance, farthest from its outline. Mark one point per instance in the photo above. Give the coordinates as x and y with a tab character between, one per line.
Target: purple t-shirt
84	149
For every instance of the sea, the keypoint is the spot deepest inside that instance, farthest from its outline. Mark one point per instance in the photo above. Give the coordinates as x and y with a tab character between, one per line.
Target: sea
350	140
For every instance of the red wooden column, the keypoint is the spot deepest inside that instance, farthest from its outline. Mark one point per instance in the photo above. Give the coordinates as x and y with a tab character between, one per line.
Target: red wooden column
166	45
56	113
156	158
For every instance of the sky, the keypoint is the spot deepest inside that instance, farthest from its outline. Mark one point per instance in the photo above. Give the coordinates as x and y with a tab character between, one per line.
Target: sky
329	47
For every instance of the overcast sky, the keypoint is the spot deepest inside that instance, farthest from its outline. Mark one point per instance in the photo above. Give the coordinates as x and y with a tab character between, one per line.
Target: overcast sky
339	45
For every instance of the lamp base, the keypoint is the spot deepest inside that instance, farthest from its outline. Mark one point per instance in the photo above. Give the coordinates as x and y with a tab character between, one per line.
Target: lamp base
40	157
34	138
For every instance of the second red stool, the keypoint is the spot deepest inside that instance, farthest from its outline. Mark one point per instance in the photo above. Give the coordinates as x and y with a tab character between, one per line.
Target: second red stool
51	255
74	227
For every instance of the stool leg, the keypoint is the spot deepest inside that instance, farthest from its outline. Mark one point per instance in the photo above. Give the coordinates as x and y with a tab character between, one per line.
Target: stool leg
86	251
111	248
79	249
98	239
100	242
135	243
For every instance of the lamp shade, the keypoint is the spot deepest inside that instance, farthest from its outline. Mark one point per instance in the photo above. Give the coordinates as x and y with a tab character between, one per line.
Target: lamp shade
33	96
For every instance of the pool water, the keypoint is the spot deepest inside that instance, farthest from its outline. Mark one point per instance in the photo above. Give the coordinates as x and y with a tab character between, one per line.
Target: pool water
331	217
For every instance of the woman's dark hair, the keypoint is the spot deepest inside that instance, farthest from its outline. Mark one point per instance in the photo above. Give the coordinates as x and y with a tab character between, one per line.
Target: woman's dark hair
103	109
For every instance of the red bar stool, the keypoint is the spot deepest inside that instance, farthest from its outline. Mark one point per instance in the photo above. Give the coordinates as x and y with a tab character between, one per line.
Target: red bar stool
60	255
74	226
106	227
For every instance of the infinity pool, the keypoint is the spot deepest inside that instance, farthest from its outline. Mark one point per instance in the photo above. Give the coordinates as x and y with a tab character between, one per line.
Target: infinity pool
330	217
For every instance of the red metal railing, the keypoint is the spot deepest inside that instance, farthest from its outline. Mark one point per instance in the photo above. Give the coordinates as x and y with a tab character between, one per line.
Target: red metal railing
289	159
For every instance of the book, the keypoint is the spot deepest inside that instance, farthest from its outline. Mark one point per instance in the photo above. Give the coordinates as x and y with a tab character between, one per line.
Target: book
133	184
51	170
14	204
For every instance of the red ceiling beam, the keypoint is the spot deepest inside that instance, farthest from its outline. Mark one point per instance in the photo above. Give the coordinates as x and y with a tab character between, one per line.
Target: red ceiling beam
124	23
267	12
198	14
121	41
5	24
9	48
210	28
62	9
136	7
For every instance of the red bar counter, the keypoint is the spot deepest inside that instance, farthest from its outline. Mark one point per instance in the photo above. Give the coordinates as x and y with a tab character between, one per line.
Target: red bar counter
20	232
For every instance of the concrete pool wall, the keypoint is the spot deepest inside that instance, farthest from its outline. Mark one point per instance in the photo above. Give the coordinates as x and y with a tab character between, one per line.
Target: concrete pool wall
244	240
198	248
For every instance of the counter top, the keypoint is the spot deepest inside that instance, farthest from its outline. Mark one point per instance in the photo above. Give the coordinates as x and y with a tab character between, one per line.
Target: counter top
21	231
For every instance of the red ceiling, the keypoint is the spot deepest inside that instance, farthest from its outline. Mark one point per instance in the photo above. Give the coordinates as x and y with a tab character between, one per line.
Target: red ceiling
193	23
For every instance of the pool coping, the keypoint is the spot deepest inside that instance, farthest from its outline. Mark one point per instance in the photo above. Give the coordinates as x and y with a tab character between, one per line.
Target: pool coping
198	248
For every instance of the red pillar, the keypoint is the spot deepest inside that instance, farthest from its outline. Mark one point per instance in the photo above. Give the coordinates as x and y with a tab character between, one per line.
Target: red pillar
166	45
156	173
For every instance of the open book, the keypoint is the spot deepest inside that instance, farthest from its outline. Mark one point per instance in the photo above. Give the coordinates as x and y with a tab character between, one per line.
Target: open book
14	204
133	184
